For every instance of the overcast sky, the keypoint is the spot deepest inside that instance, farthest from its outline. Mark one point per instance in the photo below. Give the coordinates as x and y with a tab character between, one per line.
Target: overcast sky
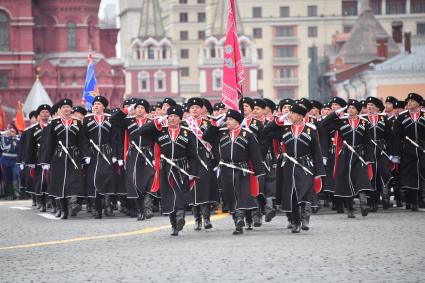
105	2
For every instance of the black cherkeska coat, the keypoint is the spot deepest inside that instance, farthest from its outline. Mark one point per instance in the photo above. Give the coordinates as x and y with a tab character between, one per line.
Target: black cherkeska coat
65	179
101	176
305	148
138	173
412	159
351	176
174	185
205	190
243	152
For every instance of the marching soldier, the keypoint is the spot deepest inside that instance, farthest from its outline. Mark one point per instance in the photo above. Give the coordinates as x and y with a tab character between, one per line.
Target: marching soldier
353	157
178	170
64	145
302	164
31	152
101	137
240	165
139	168
409	144
205	191
380	134
9	149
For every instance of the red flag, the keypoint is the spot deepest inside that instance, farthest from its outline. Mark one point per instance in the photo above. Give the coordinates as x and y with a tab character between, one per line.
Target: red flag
19	119
2	118
233	72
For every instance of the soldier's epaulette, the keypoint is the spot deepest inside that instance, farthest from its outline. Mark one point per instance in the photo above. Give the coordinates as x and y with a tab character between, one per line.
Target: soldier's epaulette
186	128
311	125
106	114
56	118
361	118
405	111
88	115
129	117
363	115
382	114
30	127
223	129
246	129
314	117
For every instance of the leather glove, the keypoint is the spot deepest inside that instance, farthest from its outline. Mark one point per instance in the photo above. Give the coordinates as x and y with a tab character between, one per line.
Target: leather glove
87	160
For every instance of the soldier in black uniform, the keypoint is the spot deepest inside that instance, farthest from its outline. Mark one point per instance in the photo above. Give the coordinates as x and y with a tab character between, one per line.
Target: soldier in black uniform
31	153
139	168
409	143
64	145
240	165
102	138
353	156
301	145
178	169
205	191
380	132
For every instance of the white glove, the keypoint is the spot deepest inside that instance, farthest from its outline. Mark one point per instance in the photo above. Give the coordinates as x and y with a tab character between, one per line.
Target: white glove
162	119
31	166
191	178
283	117
87	160
120	162
325	161
114	159
220	122
339	111
21	166
46	167
131	107
394	159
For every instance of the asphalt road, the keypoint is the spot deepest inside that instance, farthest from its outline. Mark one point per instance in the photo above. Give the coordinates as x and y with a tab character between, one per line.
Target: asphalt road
383	247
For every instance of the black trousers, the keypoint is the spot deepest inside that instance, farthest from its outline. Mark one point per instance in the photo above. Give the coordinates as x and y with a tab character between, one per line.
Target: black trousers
295	215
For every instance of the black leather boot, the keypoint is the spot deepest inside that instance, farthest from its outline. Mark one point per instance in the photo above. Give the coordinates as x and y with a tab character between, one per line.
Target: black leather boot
248	220
269	211
173	221
43	203
289	217
148	204
34	202
305	216
239	222
364	208
109	210
197	215
180	219
205	209
296	227
64	208
140	215
257	217
58	208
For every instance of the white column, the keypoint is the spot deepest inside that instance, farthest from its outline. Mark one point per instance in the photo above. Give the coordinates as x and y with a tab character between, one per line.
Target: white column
202	82
253	80
384	7
174	82
408	7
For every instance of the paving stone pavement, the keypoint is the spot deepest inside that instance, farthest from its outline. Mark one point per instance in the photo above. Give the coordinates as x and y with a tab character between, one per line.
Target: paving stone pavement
383	247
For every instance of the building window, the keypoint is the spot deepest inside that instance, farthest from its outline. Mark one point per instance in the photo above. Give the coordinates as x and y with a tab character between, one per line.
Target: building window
183	17
182	1
285	31
312	11
285	52
72	39
184	35
260	92
420	28
184	71
4	32
417	6
285	72
143	79
164	51
184	53
202	18
160	81
285	93
201	1
217	77
257	32
376	6
312	31
201	34
151	52
347	29
312	52
284	12
349	8
4	80
74	79
260	53
259	74
396	7
256	12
